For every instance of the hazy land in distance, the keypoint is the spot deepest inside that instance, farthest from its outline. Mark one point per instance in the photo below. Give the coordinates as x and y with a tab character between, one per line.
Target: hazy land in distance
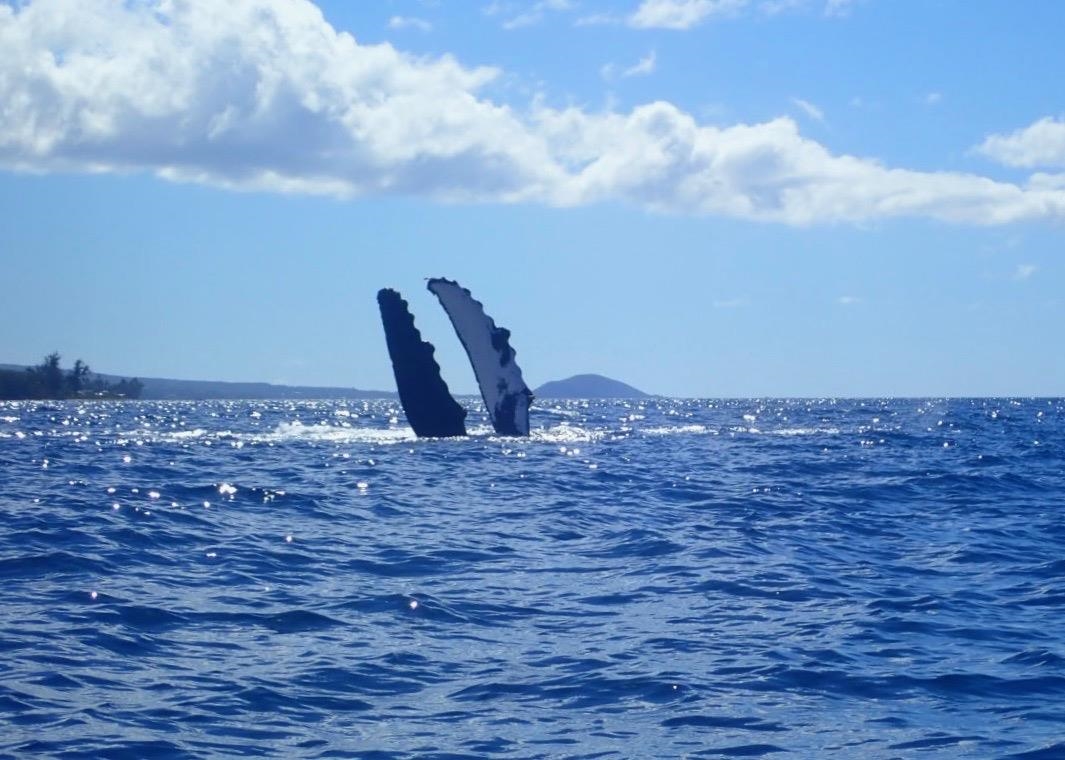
160	388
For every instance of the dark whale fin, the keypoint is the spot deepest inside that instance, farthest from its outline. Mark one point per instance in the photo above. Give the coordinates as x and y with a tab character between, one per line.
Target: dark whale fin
505	393
431	410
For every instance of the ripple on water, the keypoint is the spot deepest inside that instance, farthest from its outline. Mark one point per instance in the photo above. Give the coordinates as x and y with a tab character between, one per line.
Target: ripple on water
737	578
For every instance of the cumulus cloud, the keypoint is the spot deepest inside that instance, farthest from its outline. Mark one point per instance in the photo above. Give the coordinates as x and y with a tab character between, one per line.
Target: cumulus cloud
680	14
259	94
1040	144
658	157
266	95
1044	181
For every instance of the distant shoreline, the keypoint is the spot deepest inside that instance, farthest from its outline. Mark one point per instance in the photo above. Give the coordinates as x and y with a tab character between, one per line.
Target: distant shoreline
171	389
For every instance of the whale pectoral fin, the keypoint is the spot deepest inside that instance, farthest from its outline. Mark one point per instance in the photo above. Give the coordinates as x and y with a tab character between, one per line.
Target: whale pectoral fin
505	394
426	400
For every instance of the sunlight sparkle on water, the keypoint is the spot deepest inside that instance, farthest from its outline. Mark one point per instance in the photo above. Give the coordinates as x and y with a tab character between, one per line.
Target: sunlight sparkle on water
764	569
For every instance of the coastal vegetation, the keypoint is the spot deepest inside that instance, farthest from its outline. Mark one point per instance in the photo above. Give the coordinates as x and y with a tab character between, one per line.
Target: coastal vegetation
48	380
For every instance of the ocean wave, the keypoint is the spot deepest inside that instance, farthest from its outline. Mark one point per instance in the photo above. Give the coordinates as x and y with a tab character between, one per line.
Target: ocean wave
744	577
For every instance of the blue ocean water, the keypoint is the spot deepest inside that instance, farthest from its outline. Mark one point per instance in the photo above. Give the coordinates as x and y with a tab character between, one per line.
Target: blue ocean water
670	578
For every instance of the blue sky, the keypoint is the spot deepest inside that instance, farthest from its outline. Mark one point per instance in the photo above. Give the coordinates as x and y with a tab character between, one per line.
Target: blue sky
698	197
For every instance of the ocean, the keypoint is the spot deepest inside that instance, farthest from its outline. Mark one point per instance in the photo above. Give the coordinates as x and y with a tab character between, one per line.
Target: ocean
663	578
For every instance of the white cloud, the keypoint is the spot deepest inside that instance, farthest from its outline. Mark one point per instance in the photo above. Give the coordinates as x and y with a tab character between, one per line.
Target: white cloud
680	14
265	95
1044	181
598	19
658	157
643	67
259	94
686	14
1040	144
731	303
809	109
521	14
1024	271
776	7
933	98
848	300
409	22
838	7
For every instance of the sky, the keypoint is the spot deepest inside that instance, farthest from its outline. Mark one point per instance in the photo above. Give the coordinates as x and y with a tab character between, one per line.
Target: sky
707	198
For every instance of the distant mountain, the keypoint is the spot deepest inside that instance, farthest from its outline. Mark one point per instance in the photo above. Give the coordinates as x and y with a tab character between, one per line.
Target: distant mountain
588	386
198	390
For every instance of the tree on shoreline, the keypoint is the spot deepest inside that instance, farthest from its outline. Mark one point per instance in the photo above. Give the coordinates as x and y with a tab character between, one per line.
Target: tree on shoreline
50	375
47	380
78	376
